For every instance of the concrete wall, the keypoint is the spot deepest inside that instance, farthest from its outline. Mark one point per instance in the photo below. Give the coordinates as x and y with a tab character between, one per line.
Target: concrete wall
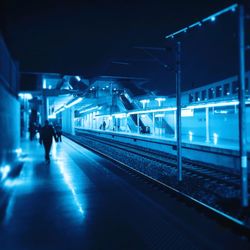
10	126
9	108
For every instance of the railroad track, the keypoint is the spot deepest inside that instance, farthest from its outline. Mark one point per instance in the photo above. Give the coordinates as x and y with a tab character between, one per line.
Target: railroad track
196	170
239	223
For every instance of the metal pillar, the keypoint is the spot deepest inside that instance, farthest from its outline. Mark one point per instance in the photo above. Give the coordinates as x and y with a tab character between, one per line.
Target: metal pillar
207	125
175	129
153	123
138	124
44	107
127	130
72	116
178	105
242	110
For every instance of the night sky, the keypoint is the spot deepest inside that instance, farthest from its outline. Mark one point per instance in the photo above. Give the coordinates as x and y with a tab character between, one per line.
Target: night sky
84	39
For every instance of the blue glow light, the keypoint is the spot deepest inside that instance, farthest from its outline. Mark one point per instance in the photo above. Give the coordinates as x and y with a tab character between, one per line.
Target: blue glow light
199	23
215	138
87	110
190	133
18	151
78	78
4	171
25	96
195	24
213	18
70	185
60	110
44	83
74	102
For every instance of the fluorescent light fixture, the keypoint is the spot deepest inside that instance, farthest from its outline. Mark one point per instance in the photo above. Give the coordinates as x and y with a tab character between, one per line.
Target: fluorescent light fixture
60	110
194	25
26	96
208	105
145	101
213	18
74	102
159	115
198	106
159	100
87	110
122	115
44	83
78	78
52	116
151	111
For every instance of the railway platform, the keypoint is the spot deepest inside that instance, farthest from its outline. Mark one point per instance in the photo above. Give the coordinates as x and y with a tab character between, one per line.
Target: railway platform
83	201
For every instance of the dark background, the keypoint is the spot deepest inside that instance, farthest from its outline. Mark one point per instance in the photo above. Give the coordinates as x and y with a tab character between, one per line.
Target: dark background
85	38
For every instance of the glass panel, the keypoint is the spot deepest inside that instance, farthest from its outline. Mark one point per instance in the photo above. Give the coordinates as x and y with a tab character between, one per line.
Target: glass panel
197	98
247	85
235	87
204	95
191	97
211	93
226	89
218	91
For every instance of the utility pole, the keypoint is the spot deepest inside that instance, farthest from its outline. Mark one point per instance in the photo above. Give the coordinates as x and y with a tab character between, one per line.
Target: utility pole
242	108
178	111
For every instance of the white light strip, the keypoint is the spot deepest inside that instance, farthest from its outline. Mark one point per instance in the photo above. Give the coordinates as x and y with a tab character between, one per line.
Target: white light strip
194	25
60	110
87	110
151	111
210	105
74	102
160	99
120	115
230	8
210	18
69	183
198	106
52	116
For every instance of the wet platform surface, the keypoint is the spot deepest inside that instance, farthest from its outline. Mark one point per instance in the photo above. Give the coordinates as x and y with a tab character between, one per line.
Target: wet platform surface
79	201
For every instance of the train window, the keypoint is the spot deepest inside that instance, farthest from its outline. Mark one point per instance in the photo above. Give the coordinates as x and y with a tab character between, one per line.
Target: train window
247	85
204	95
218	91
226	89
191	97
197	96
211	93
235	87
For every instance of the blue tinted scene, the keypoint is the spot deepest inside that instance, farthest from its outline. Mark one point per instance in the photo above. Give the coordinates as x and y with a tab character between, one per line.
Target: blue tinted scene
124	125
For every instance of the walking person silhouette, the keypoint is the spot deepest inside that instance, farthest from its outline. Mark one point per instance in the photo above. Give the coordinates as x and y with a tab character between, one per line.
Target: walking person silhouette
46	135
